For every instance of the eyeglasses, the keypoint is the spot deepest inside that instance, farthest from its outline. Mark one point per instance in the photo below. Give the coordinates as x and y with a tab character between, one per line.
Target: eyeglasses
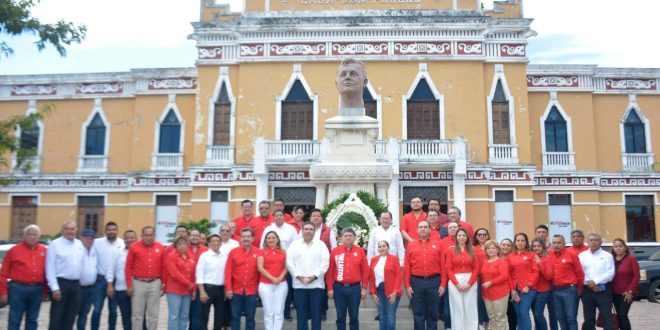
482	234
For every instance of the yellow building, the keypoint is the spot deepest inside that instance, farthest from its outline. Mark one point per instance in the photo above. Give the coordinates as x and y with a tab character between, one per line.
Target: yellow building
463	118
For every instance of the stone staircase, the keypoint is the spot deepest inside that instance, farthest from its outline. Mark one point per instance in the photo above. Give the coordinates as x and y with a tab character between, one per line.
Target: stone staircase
368	311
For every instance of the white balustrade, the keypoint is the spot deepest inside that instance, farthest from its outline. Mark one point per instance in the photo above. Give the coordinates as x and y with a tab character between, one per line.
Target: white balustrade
380	148
426	150
220	155
167	162
93	163
637	162
503	154
33	163
292	151
559	161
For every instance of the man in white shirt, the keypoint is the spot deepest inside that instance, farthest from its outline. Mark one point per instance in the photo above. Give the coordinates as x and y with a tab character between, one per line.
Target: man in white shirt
116	277
386	232
286	232
210	276
598	266
107	248
307	260
88	277
63	272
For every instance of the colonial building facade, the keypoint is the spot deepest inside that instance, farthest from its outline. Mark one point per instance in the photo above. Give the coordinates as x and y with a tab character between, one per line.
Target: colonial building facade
463	118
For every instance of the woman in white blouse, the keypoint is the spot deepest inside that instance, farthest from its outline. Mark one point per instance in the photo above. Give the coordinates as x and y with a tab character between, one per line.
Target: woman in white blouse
385	285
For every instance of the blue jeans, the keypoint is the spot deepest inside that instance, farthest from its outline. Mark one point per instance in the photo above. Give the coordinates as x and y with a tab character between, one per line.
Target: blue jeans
481	305
386	311
178	306
289	296
347	298
308	303
565	302
538	308
243	304
100	289
195	312
123	301
24	299
522	309
551	311
444	302
425	302
87	298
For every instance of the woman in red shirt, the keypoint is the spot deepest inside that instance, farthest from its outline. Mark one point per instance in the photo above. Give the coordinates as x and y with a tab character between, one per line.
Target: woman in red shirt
481	236
524	274
543	285
495	287
385	285
506	246
626	279
272	285
462	270
180	284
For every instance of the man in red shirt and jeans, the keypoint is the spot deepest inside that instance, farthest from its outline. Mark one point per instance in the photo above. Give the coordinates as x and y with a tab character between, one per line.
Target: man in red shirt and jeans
242	281
25	266
567	281
347	278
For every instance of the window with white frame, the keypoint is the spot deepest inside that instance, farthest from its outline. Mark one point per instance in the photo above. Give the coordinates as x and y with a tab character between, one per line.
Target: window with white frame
500	116
370	104
556	133
423	113
222	118
634	133
29	137
297	117
170	134
95	137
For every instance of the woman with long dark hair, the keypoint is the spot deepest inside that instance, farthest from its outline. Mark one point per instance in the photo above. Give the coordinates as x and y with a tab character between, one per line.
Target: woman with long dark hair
543	285
626	279
481	236
271	264
524	274
462	269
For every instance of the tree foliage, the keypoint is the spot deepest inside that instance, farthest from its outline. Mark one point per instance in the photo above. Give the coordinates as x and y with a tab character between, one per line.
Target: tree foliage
16	19
203	225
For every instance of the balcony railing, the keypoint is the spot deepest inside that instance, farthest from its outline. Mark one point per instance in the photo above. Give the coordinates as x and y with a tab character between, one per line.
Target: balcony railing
33	163
426	150
292	151
504	154
557	161
637	162
167	162
219	155
93	163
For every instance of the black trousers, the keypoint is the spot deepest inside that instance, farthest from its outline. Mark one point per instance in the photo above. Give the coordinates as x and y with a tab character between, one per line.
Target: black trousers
622	308
221	307
63	312
425	302
601	300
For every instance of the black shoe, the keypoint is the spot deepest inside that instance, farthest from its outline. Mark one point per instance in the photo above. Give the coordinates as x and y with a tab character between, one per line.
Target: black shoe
377	318
324	317
288	318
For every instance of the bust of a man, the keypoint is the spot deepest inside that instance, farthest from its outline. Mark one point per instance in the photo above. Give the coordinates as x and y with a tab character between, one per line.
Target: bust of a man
351	80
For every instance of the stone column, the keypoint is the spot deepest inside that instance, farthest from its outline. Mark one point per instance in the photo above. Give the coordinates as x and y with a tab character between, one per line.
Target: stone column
262	187
260	168
460	172
321	195
392	153
381	191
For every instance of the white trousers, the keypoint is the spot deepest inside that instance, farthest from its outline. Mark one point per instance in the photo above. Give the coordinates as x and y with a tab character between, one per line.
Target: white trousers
273	298
463	305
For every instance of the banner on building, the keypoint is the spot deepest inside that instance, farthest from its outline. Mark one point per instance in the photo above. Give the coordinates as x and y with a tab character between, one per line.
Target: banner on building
219	215
165	221
559	218
504	226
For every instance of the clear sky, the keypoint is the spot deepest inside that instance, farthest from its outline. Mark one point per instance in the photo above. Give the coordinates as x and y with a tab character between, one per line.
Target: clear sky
125	34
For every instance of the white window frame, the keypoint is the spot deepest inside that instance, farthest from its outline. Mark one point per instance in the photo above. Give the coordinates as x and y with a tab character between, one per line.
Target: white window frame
379	107
422	74
633	106
223	77
296	75
554	102
499	75
171	105
36	159
98	109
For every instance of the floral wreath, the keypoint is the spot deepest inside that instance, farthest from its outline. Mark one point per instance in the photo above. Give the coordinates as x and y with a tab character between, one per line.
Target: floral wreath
359	211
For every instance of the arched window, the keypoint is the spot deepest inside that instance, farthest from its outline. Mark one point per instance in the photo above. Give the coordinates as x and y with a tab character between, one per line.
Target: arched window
635	135
297	121
222	118
95	137
370	104
556	137
170	134
423	113
501	123
30	137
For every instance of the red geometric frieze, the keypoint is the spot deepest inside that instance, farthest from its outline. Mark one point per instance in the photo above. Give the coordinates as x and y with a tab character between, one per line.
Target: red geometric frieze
552	81
565	181
70	183
210	177
470	48
422	48
512	50
160	182
510	176
359	48
288	176
29	90
630	182
630	84
252	50
100	88
425	175
297	49
174	83
209	53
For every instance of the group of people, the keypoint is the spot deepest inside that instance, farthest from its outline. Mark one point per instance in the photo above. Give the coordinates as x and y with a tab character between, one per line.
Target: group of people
447	269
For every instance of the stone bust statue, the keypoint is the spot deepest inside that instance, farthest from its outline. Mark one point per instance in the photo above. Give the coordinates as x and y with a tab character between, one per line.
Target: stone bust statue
350	81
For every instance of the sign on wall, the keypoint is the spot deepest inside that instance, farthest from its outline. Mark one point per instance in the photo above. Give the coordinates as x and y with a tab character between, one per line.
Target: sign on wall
559	218
166	216
219	209
504	224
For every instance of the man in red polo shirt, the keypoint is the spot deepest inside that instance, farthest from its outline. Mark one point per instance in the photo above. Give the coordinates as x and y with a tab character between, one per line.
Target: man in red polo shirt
144	268
422	269
347	278
433	218
25	266
242	280
259	223
409	221
454	215
577	241
278	204
434	204
567	281
242	221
